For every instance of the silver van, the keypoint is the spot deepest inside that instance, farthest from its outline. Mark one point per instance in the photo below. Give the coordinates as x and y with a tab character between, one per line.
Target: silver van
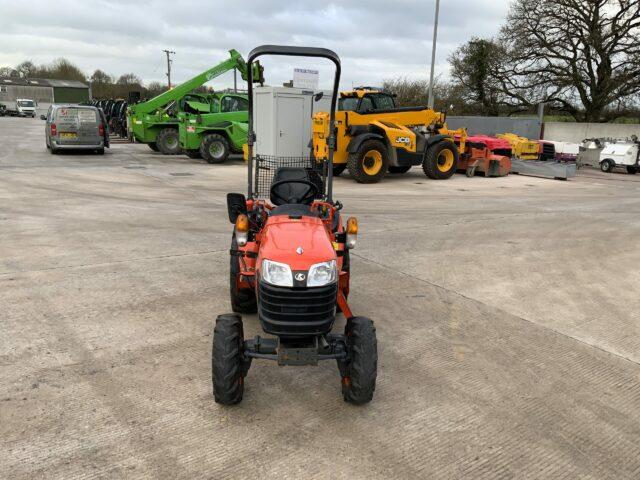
75	127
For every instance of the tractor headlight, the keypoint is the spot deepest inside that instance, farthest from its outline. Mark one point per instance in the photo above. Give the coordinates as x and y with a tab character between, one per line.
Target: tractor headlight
322	274
277	273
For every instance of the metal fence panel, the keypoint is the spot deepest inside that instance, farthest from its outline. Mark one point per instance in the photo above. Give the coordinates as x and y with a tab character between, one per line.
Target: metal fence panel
528	127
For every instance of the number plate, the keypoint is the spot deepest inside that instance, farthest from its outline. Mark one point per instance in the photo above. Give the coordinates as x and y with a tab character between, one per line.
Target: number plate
68	135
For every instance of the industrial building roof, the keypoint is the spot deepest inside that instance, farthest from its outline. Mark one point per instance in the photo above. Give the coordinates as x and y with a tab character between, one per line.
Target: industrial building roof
42	82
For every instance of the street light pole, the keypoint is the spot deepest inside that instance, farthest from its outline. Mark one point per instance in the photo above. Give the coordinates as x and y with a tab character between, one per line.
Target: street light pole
433	54
169	52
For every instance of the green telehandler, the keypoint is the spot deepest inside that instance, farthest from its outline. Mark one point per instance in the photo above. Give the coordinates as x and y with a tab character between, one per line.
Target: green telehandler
214	134
155	122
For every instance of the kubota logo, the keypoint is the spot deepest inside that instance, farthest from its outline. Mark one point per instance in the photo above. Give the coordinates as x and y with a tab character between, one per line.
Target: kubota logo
300	277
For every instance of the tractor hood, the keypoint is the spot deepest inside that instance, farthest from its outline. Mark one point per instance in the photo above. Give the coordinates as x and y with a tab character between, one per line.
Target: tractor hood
298	242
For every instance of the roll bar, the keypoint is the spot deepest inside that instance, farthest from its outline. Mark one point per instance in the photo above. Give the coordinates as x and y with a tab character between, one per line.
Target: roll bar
292	51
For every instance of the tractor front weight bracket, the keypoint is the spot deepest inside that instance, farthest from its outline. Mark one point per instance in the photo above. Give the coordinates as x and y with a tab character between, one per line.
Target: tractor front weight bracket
298	351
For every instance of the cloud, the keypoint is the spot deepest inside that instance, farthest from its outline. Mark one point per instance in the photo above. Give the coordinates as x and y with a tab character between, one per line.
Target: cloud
376	39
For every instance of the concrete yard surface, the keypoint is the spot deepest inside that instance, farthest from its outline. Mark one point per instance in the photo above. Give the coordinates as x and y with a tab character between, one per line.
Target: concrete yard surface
506	311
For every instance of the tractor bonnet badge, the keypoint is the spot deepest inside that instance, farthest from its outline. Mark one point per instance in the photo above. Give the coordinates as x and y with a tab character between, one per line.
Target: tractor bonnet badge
299	277
299	250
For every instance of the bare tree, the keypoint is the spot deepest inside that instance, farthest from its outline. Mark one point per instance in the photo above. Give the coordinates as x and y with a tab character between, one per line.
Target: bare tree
63	69
155	88
129	79
582	55
27	69
473	67
448	96
101	78
9	72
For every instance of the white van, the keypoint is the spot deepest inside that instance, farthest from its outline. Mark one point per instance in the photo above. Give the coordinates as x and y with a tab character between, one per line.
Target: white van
25	107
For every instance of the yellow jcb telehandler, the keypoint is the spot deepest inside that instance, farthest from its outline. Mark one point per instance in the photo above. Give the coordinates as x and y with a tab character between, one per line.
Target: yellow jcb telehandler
374	136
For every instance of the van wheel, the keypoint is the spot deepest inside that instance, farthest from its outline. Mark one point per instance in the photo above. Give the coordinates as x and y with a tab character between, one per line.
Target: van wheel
214	148
441	160
632	170
168	141
606	166
369	163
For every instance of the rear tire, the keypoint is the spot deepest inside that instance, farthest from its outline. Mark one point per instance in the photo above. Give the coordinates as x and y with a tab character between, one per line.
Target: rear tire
214	148
360	382
153	146
632	170
369	163
193	153
242	301
399	168
227	365
441	160
168	141
338	168
606	166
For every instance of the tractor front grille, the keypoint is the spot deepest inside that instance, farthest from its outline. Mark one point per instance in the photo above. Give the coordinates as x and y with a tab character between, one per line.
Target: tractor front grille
296	312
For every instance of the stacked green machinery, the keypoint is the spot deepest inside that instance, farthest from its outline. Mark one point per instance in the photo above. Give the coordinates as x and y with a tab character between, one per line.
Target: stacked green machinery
156	121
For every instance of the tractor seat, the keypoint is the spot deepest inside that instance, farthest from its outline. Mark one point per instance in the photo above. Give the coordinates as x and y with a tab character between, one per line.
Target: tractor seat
294	210
291	190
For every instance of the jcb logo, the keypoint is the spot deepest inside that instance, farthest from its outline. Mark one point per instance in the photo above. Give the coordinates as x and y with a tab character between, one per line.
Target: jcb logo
405	140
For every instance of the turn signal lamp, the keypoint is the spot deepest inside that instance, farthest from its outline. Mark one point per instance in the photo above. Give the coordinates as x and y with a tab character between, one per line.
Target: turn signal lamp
242	229
352	232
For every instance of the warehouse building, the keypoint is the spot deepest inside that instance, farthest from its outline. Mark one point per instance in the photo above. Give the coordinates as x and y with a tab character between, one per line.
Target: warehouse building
43	91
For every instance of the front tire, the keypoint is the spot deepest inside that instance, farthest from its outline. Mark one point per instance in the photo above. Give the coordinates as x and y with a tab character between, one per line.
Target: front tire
214	148
227	365
168	141
360	381
606	166
369	163
441	160
632	170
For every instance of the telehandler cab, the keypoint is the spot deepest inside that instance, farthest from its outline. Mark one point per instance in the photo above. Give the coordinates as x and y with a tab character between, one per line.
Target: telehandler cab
290	264
374	136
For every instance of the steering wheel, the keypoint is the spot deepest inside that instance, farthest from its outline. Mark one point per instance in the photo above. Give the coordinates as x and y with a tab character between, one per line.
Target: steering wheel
310	193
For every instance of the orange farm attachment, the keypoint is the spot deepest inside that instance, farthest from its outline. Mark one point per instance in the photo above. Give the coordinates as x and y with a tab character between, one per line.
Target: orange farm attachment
486	155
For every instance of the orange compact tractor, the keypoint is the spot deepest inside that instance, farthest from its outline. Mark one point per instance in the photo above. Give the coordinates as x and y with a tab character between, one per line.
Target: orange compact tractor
489	156
290	264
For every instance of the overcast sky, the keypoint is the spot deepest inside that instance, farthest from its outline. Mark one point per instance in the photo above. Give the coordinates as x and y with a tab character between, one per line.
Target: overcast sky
375	39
